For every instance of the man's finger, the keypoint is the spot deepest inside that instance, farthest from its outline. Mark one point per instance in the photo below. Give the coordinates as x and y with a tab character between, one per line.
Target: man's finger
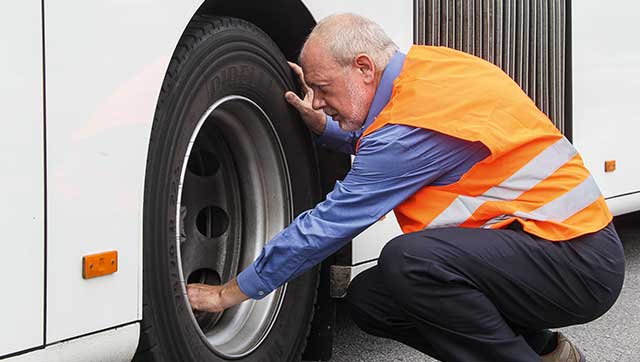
195	294
198	296
294	100
192	293
298	70
295	67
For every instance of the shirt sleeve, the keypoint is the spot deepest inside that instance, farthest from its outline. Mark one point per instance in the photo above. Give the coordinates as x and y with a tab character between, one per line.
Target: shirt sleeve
376	183
337	139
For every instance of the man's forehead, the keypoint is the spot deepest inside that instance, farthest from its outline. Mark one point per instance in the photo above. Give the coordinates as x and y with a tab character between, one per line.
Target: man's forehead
315	75
311	61
318	67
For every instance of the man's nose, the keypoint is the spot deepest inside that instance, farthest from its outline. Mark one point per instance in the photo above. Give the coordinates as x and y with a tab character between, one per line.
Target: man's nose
317	102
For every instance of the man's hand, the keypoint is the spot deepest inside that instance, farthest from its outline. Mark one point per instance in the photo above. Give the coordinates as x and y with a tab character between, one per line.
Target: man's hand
316	120
215	298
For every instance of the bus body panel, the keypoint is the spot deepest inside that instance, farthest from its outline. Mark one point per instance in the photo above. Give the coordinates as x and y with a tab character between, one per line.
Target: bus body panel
114	345
368	244
606	79
22	163
105	62
624	204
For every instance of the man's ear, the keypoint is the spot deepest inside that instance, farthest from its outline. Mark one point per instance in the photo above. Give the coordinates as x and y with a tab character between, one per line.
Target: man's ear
366	66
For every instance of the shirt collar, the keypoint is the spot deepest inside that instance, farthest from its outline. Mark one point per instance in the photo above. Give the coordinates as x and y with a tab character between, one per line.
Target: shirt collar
383	92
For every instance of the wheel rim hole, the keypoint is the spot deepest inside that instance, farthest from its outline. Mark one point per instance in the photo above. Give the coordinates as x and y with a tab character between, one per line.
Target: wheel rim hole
212	221
203	163
204	276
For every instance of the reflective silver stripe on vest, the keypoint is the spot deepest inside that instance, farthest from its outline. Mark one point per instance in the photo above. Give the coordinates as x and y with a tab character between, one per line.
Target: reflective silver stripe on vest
458	211
567	205
536	170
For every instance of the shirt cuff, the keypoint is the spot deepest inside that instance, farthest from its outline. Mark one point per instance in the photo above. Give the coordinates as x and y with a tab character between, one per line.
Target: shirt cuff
251	284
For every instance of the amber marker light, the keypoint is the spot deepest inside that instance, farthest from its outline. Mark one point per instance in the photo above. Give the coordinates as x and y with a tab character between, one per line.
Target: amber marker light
101	264
609	166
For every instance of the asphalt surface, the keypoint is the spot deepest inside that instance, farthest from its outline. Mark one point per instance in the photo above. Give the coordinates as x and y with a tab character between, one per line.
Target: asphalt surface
614	337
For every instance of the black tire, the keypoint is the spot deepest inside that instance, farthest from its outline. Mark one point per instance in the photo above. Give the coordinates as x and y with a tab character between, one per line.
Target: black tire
219	58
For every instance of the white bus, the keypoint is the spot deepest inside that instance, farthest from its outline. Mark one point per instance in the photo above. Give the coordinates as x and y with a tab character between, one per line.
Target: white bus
146	144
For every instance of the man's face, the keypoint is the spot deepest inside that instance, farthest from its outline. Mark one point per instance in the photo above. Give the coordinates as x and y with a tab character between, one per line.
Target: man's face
344	93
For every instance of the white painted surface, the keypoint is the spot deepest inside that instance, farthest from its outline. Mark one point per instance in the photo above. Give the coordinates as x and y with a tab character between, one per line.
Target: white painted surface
624	204
362	267
368	245
22	181
606	79
116	345
105	64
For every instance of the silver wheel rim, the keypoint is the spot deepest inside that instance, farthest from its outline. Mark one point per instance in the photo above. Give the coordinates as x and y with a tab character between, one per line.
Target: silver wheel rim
234	151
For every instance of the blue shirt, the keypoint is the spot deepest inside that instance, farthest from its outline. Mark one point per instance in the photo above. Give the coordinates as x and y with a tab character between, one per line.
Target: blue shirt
392	163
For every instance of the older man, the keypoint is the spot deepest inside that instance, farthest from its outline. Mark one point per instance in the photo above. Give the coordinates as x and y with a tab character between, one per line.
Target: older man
505	232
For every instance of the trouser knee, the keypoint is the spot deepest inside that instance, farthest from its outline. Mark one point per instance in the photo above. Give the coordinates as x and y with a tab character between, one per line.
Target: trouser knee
391	260
397	263
415	266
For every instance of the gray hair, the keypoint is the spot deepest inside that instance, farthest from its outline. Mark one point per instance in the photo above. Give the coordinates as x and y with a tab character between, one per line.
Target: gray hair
346	35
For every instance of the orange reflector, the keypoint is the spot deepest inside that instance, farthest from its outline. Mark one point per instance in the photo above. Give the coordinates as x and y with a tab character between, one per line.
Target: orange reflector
609	166
97	265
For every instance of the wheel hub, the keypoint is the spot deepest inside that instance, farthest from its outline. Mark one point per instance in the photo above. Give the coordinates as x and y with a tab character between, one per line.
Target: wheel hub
234	196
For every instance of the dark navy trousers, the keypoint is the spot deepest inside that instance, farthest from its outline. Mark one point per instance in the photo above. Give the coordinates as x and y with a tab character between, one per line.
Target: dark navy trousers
481	295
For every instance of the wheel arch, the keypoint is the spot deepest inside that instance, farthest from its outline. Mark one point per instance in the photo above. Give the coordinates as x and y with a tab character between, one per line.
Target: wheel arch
287	22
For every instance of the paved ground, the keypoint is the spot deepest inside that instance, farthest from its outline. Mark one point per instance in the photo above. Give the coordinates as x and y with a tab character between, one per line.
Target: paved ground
615	337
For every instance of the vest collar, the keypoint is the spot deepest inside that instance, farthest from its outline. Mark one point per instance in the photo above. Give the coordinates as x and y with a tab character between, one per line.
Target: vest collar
383	92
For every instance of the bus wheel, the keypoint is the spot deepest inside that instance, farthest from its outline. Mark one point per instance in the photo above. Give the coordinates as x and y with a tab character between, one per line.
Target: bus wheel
230	164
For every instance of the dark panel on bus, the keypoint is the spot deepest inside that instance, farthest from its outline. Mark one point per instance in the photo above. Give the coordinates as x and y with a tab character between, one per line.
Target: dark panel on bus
528	39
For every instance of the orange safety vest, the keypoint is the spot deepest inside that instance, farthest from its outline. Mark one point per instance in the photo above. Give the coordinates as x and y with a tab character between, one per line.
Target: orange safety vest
533	174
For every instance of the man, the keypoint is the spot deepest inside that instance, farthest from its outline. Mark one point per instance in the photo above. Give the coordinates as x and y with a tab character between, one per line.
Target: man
506	233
